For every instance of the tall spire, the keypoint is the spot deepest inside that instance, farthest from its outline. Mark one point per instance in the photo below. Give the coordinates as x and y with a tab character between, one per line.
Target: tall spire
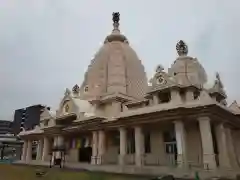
116	18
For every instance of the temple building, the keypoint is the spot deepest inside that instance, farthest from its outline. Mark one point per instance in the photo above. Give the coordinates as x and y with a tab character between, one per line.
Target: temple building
118	121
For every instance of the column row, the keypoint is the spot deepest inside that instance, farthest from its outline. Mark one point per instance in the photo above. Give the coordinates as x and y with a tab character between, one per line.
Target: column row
42	150
209	159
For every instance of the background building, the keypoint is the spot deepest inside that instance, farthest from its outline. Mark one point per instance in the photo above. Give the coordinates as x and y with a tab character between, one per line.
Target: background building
26	118
5	126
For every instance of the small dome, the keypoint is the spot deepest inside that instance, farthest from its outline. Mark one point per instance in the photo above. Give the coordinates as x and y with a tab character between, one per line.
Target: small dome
187	70
115	68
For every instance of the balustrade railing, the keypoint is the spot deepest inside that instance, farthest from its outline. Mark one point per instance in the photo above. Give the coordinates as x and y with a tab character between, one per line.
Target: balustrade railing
169	160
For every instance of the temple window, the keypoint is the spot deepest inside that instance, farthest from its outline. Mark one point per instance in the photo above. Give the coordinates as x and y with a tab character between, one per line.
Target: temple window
183	95
164	97
147	103
66	108
196	94
86	89
121	110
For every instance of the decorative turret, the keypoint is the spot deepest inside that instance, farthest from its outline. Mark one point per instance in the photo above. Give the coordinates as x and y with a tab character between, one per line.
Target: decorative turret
217	91
187	70
235	107
164	87
158	78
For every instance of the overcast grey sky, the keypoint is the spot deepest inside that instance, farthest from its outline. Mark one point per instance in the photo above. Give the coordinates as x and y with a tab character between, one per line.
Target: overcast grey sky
46	45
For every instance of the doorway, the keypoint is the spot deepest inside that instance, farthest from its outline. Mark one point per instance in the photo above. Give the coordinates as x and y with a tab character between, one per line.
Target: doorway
85	154
170	146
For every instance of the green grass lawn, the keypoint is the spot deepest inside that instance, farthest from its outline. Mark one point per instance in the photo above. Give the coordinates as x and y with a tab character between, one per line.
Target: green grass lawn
14	172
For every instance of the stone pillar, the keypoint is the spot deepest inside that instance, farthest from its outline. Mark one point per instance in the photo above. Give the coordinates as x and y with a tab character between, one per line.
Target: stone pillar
59	142
29	151
39	149
175	96
101	146
94	147
189	95
24	151
46	146
209	159
224	160
181	144
139	146
231	149
155	99
123	145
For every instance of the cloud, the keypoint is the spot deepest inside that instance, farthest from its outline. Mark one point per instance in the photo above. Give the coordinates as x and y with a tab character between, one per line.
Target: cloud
45	46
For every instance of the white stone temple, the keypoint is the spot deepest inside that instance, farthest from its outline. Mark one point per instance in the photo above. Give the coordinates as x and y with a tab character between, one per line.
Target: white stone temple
117	122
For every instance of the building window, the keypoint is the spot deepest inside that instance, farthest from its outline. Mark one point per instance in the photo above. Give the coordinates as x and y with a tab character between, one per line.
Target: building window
147	142
66	108
196	94
147	103
121	108
86	89
164	97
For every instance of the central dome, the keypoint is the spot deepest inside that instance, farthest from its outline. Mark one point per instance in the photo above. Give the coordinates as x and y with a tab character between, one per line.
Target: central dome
115	68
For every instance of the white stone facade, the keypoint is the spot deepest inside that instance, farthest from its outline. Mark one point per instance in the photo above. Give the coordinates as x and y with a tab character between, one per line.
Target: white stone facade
174	122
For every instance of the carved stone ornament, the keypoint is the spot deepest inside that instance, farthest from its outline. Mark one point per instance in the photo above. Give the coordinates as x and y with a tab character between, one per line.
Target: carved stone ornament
116	17
76	89
160	80
182	48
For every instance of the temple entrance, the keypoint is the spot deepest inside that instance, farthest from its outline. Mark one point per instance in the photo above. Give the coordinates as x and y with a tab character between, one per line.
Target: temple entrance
170	146
85	154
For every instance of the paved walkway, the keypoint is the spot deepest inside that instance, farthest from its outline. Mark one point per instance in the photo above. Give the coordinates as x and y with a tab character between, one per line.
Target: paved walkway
145	170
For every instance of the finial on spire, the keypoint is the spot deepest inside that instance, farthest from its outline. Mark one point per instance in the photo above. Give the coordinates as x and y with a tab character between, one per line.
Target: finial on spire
115	18
159	68
182	48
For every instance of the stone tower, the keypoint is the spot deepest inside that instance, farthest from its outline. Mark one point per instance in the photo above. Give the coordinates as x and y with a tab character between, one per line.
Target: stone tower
115	68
